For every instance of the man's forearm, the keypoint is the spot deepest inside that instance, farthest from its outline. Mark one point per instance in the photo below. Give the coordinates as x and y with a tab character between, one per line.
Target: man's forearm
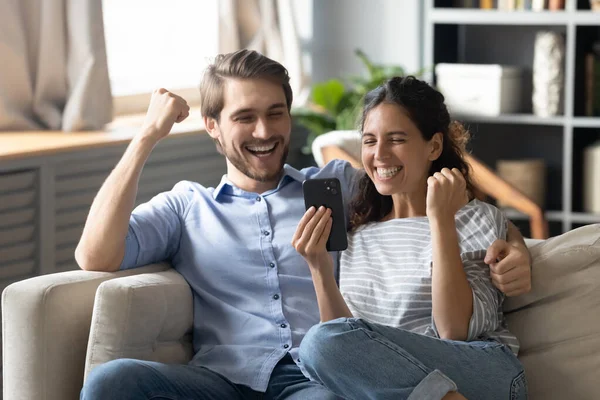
102	243
515	238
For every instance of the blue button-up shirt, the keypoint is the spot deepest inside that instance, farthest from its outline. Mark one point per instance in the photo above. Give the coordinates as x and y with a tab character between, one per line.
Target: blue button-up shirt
254	299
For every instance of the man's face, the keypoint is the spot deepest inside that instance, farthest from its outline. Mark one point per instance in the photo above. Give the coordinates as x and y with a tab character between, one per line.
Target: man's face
254	129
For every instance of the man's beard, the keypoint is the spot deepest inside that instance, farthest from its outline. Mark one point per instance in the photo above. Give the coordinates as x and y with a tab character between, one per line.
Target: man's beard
241	164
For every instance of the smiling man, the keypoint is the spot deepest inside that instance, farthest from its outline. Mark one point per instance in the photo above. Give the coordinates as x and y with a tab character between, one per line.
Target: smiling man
253	295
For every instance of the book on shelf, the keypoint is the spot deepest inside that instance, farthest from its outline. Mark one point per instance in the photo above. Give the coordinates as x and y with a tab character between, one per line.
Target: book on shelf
592	82
512	5
555	5
506	5
538	5
589	84
466	3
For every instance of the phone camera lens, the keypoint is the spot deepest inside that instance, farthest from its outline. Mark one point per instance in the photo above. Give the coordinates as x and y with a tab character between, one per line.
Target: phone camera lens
332	184
333	191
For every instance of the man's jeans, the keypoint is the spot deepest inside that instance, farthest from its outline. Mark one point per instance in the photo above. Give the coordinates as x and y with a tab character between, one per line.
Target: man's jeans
134	379
360	360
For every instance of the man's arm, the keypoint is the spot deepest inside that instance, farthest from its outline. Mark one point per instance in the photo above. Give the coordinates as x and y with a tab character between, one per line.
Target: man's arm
510	263
102	243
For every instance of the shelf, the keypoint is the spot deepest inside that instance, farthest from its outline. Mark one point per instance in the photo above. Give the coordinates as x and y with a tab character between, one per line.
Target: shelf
586	122
486	17
520	119
586	18
510	213
585	218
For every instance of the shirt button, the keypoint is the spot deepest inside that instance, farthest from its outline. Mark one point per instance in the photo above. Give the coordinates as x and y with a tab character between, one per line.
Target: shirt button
276	296
283	326
266	233
258	198
285	346
272	265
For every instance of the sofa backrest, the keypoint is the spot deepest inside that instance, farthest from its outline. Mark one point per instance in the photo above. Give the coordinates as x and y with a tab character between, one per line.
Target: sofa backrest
558	322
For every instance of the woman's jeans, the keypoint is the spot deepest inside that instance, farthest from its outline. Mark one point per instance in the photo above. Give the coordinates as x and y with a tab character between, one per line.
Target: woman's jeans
360	360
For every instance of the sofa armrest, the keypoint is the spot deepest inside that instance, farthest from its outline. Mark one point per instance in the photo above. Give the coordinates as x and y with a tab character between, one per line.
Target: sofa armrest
45	330
145	317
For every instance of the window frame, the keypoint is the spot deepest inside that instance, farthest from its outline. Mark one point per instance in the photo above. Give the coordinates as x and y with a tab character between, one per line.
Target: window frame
138	103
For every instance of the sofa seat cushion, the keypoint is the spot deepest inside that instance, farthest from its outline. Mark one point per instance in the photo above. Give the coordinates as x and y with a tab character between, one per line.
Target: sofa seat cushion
558	322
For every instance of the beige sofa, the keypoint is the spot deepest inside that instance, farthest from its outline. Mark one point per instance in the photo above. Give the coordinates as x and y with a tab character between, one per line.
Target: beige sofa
146	313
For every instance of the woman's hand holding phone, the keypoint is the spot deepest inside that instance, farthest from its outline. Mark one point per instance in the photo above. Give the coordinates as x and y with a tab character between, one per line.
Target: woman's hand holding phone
311	237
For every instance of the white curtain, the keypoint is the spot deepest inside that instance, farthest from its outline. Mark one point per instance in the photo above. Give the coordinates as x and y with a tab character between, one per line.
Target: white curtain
53	70
269	27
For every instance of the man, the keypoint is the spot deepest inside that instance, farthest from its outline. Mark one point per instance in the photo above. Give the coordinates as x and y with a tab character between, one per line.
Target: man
253	295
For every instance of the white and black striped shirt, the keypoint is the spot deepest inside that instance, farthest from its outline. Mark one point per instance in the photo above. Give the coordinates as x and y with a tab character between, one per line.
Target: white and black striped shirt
385	274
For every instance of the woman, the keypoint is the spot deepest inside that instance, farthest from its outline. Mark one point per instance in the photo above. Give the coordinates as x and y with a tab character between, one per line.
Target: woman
416	315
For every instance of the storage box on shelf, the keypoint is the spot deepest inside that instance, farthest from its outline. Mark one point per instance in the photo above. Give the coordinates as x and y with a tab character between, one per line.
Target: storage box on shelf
480	89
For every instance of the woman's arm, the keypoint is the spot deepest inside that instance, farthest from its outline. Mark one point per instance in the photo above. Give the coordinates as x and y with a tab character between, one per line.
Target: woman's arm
451	294
310	241
331	302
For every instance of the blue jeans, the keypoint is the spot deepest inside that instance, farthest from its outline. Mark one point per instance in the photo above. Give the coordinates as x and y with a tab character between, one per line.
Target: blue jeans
135	379
360	360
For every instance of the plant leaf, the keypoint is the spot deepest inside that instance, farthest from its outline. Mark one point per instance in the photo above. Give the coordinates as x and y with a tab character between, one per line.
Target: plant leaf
314	121
328	94
367	63
391	71
347	119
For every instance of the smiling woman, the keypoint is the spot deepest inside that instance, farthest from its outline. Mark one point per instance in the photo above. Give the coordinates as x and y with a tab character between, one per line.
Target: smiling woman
169	47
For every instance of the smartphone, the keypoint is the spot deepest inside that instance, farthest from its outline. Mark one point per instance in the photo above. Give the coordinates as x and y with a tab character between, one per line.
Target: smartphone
328	193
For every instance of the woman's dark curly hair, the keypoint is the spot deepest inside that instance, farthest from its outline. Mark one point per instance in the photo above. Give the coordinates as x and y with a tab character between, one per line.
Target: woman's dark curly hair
426	108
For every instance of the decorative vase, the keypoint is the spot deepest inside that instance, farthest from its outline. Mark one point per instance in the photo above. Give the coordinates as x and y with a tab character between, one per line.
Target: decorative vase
591	179
548	74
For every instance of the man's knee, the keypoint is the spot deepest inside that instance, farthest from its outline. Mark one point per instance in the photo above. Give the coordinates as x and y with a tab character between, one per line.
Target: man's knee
122	376
323	343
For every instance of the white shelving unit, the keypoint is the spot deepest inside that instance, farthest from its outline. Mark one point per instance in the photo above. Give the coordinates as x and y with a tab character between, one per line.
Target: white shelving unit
464	35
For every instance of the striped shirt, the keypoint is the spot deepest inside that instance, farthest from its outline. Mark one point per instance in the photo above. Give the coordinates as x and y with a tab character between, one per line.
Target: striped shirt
385	274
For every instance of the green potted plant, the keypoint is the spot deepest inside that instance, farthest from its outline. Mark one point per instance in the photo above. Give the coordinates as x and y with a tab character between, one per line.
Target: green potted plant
335	104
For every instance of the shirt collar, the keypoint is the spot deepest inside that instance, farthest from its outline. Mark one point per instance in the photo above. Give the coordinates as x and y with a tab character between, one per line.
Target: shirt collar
289	172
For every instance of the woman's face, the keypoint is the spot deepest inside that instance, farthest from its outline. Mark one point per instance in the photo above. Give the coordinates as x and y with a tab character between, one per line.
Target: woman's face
394	153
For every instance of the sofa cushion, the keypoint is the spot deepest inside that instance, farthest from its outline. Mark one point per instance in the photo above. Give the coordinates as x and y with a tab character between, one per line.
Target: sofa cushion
558	322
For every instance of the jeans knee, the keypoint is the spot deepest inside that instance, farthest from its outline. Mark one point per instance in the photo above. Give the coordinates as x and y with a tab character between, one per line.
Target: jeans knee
113	378
323	343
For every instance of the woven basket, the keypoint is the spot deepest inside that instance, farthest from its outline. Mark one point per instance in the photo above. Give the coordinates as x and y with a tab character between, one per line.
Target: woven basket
528	176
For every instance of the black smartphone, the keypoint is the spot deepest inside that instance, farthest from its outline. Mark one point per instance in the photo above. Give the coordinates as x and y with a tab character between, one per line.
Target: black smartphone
328	193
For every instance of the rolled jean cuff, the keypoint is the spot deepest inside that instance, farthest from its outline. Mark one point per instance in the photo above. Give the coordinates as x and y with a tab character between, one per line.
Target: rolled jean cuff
434	386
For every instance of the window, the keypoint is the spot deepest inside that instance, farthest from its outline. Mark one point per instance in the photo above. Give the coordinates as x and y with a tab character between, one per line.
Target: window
158	43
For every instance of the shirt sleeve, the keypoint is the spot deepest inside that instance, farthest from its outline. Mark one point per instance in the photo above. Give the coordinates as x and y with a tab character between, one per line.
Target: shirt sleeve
155	228
349	177
487	299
